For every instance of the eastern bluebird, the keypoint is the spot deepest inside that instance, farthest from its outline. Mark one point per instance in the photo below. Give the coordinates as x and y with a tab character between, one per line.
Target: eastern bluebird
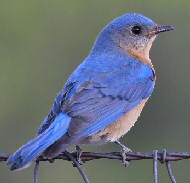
104	96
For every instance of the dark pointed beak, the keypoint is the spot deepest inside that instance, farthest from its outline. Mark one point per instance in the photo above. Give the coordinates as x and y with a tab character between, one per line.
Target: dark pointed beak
163	28
160	28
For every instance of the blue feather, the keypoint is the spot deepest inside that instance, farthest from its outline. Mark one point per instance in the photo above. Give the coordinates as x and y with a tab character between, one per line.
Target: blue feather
34	148
108	84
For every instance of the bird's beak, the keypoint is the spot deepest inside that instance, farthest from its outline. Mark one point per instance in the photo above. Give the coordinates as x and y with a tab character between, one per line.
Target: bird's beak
160	28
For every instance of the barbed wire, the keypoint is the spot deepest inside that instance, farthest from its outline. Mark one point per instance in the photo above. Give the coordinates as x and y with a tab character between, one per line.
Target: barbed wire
162	157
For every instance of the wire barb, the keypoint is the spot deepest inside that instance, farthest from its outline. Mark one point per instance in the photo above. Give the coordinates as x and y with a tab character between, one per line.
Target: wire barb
164	154
76	163
155	166
36	169
170	172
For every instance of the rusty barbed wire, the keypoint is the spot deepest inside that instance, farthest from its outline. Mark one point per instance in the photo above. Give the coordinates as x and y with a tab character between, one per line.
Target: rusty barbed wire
163	157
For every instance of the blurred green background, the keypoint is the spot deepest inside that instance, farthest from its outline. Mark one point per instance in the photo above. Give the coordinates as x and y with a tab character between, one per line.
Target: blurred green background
42	42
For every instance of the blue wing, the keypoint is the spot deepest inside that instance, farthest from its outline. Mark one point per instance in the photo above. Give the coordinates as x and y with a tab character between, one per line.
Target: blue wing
102	98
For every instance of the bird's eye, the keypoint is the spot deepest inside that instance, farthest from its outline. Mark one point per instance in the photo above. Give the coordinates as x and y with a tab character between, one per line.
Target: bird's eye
136	30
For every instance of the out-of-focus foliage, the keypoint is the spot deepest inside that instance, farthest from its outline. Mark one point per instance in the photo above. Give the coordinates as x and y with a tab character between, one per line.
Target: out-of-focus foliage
41	42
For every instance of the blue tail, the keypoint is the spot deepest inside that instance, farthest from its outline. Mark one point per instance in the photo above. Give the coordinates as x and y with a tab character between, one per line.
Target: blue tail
28	153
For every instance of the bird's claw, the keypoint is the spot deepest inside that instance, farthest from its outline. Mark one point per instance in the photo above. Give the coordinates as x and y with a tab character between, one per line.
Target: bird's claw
79	153
124	151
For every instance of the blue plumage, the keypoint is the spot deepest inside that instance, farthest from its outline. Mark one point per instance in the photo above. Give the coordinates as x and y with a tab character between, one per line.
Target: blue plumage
116	77
29	152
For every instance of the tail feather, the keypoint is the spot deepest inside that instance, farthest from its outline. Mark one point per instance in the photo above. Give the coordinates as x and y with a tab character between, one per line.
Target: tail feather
24	156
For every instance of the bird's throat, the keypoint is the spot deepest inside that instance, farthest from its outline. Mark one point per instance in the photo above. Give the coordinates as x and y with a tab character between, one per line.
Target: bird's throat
142	52
142	55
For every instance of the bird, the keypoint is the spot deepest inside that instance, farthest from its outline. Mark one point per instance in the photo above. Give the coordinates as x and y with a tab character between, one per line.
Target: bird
103	98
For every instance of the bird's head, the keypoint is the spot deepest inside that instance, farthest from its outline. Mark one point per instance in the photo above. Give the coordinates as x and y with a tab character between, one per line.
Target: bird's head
133	33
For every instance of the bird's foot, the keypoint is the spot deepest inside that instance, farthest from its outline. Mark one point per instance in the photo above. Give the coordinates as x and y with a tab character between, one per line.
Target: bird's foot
124	151
79	153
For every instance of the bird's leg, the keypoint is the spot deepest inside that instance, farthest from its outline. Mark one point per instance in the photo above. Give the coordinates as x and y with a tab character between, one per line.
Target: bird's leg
79	153
124	150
